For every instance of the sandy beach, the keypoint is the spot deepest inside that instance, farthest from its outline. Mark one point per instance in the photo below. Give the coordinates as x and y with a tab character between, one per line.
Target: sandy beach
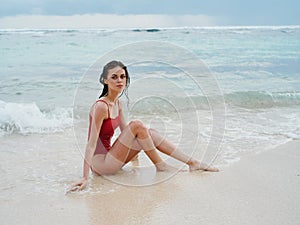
259	189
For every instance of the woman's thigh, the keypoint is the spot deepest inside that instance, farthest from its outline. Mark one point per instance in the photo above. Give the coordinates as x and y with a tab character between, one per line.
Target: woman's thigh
97	165
122	151
121	154
115	159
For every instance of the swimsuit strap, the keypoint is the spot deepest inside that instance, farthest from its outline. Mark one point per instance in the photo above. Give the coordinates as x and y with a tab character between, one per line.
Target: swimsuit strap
101	100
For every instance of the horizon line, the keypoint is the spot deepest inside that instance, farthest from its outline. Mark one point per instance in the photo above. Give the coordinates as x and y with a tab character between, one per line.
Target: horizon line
161	28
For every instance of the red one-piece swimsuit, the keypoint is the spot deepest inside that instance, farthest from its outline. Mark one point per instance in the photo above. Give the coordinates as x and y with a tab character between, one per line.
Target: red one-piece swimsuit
106	132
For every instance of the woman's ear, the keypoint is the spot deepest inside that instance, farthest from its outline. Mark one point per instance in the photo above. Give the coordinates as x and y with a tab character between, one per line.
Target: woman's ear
105	81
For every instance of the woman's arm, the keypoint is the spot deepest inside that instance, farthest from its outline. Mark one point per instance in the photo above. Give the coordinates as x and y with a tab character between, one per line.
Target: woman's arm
98	113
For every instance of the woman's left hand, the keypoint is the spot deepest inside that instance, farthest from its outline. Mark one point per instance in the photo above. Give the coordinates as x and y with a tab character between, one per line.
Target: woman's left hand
78	186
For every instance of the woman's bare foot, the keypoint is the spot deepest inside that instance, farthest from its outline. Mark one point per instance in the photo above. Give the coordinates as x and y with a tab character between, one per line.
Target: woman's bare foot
162	166
196	165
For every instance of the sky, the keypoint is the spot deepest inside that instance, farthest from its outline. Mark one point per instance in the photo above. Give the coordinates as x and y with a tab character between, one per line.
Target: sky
146	13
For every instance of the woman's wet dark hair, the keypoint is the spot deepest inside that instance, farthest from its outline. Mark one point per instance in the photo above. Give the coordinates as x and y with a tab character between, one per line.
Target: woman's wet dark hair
106	68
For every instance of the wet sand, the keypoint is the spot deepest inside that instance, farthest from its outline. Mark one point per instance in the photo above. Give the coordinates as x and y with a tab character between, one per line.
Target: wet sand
259	189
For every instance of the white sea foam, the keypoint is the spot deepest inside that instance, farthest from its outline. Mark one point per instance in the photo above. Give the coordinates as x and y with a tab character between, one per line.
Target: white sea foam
25	118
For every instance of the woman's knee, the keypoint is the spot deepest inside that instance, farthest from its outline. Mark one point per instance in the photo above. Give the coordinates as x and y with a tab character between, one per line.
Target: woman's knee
137	125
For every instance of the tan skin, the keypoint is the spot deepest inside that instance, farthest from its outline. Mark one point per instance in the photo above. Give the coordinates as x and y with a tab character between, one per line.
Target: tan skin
120	153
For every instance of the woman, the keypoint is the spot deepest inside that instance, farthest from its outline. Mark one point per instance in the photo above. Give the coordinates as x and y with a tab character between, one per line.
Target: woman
106	115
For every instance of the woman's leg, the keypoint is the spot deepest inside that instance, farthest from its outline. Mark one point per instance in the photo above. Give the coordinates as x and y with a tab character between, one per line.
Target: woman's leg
170	149
124	149
153	156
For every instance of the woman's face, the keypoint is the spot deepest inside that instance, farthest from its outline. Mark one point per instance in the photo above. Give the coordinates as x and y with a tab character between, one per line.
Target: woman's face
116	79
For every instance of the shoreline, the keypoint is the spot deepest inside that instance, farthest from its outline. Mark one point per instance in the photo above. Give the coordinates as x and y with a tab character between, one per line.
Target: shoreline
261	188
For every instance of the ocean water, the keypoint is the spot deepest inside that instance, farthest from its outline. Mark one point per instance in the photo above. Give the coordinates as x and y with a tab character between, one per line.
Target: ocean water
46	90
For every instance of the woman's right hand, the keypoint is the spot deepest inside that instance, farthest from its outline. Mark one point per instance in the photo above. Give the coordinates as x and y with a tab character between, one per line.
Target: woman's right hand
78	186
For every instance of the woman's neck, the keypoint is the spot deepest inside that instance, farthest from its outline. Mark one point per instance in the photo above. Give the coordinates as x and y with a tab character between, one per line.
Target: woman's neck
112	97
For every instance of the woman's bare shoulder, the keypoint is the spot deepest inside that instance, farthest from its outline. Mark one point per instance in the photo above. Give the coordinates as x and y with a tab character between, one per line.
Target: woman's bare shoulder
99	109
